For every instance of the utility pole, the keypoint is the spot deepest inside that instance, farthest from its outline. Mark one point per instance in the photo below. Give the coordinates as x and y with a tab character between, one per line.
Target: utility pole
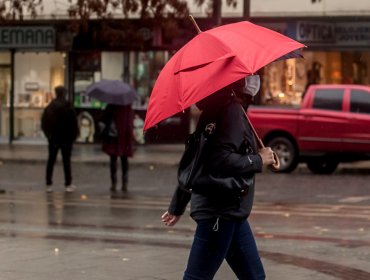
246	9
216	12
11	101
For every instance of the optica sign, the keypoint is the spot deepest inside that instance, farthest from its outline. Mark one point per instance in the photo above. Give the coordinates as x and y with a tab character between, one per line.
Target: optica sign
315	32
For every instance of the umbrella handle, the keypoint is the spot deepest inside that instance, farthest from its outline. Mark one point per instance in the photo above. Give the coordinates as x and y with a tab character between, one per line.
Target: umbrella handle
195	24
275	166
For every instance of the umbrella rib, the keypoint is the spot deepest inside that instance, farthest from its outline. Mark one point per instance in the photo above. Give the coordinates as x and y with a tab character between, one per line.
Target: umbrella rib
179	82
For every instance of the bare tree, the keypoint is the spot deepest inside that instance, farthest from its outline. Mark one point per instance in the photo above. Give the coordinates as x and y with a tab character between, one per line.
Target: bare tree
15	9
87	9
100	9
163	12
158	9
214	8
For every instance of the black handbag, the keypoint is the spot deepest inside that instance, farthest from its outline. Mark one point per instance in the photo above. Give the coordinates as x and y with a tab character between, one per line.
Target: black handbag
108	131
193	174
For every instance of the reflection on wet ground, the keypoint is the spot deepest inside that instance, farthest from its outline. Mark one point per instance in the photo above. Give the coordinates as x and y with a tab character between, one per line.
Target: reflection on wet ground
305	241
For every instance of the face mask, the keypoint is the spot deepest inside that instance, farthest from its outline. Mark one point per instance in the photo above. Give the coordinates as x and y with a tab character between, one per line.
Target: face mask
252	85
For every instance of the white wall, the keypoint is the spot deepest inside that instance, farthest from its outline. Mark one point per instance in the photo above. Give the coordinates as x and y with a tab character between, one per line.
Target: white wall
112	65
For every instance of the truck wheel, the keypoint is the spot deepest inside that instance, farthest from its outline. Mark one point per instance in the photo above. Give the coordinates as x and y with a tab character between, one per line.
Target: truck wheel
287	153
322	165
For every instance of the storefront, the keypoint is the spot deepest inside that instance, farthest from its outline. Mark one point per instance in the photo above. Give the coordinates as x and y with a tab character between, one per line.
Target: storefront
35	59
42	57
30	63
336	53
137	68
134	53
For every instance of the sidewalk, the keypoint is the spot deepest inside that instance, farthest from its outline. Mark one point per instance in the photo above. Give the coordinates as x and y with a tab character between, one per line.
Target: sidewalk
90	235
153	154
168	154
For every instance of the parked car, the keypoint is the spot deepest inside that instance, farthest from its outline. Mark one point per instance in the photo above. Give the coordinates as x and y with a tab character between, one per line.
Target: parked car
331	126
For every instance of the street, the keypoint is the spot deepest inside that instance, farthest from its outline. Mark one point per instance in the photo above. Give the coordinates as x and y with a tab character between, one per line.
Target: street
306	226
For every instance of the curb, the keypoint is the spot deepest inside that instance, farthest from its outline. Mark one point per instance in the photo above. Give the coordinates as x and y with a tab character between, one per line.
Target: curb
88	162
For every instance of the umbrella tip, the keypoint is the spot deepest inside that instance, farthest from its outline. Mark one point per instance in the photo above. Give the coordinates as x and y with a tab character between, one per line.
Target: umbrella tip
195	24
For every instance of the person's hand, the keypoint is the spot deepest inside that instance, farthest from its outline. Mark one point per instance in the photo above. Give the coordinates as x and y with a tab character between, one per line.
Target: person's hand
267	156
169	219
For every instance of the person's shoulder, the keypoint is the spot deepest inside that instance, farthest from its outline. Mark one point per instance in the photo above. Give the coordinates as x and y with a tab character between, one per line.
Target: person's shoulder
233	108
50	106
68	104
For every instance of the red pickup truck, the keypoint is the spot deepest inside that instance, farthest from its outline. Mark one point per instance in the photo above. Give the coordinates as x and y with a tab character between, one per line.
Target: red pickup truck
332	125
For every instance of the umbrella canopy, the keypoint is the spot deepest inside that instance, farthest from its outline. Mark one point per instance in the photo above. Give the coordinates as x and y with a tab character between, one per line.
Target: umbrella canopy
112	92
212	60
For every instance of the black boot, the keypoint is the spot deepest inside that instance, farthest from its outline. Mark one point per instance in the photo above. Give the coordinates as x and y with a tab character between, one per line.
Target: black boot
113	173
124	168
124	183
113	188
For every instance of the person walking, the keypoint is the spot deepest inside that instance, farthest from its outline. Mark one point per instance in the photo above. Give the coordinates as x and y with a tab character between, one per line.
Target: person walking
59	124
223	231
117	138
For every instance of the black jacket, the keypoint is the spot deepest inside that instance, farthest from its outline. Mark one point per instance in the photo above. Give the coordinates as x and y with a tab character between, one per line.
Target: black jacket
233	152
59	122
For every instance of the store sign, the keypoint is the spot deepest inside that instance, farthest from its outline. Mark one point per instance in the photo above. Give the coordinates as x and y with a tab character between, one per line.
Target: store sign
340	34
281	27
27	37
315	32
353	34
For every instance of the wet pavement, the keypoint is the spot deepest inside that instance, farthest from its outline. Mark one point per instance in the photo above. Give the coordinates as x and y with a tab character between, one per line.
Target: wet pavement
306	226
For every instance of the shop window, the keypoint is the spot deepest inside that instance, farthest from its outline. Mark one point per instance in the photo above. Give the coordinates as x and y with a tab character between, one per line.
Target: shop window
35	76
87	70
360	102
283	83
328	99
147	67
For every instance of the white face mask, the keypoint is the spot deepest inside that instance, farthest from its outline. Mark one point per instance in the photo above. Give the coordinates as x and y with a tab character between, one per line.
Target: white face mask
252	85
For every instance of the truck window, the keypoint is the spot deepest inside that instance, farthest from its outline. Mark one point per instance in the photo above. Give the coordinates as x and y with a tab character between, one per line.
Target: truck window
328	99
360	101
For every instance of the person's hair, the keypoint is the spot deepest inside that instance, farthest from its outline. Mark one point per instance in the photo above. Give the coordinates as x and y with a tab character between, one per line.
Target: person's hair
60	91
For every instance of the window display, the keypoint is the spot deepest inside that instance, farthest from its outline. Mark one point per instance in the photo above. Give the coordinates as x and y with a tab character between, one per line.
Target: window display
87	70
285	82
147	66
35	76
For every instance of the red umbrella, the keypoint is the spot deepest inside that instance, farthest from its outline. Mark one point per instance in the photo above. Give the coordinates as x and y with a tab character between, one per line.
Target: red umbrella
212	60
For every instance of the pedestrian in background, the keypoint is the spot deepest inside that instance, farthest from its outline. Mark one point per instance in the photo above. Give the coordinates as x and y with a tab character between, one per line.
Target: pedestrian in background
59	124
117	138
223	231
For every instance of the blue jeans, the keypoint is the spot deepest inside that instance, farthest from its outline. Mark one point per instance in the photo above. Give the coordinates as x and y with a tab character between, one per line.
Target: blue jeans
216	240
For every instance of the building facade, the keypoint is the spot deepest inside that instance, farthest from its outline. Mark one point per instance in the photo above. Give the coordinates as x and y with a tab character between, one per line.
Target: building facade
37	55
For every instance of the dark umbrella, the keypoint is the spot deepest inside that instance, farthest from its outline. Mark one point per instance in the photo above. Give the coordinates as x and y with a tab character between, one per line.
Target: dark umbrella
112	92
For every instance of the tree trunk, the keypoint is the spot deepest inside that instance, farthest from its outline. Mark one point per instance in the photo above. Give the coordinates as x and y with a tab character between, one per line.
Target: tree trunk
216	6
246	9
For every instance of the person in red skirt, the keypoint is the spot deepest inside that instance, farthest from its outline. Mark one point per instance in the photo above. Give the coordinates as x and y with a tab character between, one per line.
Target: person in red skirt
118	140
